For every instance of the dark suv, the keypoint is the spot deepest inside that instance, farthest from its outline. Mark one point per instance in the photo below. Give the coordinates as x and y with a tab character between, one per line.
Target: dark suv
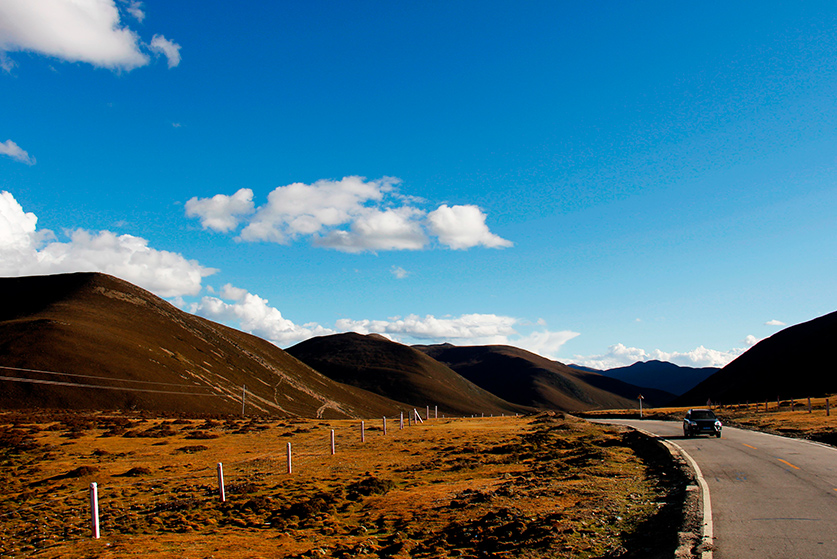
699	422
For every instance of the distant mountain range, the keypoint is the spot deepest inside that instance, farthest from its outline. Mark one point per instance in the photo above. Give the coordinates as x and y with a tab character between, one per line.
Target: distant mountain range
796	362
93	341
661	375
531	380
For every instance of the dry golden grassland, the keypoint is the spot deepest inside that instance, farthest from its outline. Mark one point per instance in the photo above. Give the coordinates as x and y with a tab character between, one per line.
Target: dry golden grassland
546	486
785	417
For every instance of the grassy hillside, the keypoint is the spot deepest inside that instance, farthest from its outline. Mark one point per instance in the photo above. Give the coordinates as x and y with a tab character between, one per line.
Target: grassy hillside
399	372
133	351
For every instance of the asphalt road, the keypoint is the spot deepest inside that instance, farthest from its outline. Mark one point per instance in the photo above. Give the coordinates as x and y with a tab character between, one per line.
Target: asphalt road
771	497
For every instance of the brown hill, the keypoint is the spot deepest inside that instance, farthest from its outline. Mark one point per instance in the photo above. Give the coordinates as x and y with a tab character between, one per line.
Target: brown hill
796	362
528	379
133	350
397	371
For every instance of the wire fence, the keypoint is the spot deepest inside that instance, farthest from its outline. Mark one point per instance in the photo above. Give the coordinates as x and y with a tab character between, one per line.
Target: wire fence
54	512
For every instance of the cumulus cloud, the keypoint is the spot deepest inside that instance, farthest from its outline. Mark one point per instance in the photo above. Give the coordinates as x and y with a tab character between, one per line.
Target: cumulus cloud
170	50
88	31
15	152
310	209
467	329
221	213
461	227
352	215
620	355
254	314
26	251
473	328
774	322
373	230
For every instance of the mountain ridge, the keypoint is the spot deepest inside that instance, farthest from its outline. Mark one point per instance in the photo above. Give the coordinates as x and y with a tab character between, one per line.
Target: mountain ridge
538	382
792	363
145	353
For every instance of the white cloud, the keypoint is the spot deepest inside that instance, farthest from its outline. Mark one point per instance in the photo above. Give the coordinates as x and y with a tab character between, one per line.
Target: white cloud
545	343
254	315
774	322
26	251
171	50
77	31
308	209
221	213
391	229
15	152
351	215
400	272
467	329
620	355
461	227
134	8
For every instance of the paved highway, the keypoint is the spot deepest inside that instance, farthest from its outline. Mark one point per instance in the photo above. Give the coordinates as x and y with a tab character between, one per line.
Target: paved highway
771	497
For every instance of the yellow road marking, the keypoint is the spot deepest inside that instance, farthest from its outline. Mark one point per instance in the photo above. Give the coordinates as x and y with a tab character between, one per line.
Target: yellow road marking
788	463
749	446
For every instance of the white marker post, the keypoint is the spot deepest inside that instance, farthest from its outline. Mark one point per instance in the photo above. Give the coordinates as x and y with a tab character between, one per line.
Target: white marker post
333	448
94	510
221	493
640	398
402	420
435	412
363	431
290	466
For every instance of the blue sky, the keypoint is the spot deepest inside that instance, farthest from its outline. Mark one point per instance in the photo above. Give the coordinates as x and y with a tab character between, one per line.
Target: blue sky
599	182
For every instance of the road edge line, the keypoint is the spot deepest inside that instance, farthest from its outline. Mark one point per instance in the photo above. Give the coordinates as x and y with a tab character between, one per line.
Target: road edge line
708	535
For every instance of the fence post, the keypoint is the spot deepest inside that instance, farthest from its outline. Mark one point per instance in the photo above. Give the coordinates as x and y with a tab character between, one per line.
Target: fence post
810	409
332	443
94	510
290	467
435	412
363	431
827	408
385	426
427	414
402	420
221	493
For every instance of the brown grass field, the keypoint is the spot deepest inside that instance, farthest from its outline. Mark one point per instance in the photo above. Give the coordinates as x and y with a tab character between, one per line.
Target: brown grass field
783	417
545	486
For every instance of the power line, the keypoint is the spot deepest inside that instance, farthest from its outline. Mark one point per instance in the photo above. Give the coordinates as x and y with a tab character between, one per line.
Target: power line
95	377
101	387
